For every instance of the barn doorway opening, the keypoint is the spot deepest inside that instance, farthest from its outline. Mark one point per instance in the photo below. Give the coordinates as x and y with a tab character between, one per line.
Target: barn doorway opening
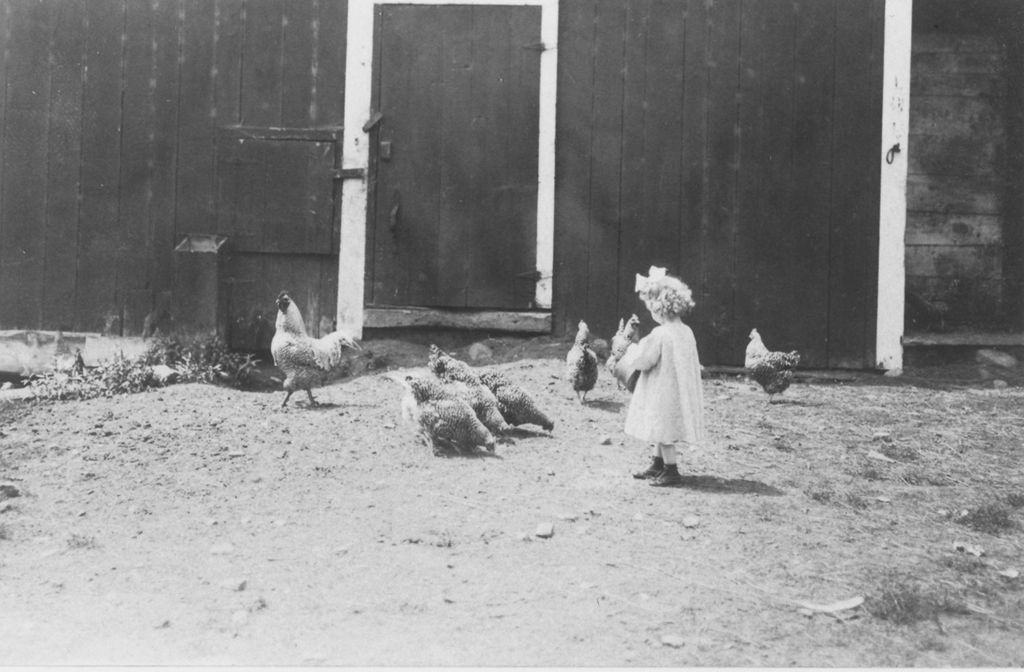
965	212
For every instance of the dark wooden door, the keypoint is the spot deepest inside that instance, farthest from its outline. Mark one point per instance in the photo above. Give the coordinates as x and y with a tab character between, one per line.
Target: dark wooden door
453	202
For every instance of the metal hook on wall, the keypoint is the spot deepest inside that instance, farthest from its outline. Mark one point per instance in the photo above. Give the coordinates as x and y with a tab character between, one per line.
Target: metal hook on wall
890	156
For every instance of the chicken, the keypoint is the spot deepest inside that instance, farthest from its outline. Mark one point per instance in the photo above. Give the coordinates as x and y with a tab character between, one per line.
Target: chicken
515	404
479	396
581	363
628	333
305	361
773	371
445	420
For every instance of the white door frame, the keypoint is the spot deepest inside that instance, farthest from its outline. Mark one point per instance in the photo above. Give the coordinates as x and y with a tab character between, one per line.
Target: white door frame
356	152
892	219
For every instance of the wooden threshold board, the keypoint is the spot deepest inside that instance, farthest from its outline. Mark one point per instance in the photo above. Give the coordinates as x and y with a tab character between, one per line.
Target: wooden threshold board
966	339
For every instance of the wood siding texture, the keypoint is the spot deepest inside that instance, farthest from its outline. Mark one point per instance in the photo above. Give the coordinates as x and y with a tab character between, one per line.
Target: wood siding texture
964	225
112	135
735	143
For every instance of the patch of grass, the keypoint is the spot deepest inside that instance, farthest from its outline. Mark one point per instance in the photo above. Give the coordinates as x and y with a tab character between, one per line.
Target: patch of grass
905	600
870	472
822	493
990	518
964	564
203	359
921	477
79	541
900	452
1015	500
855	501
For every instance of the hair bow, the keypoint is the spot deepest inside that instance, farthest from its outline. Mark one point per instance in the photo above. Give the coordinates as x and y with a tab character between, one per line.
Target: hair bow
654	274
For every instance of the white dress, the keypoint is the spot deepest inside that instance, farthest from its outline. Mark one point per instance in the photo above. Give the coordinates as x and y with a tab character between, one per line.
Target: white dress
668	403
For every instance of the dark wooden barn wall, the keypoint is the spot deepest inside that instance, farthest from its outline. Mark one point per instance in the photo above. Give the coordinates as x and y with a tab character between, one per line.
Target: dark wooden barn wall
735	143
111	137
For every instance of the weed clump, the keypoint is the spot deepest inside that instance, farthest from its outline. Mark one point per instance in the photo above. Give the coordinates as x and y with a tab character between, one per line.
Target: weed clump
904	600
1015	500
203	359
989	518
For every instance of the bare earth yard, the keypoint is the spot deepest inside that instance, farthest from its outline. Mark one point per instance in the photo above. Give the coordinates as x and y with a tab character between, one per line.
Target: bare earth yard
199	524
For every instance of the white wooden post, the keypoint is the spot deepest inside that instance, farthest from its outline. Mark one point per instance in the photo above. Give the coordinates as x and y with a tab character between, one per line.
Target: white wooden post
893	196
355	154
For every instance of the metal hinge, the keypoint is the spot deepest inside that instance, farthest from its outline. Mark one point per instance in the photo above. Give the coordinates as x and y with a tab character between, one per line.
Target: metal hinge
348	173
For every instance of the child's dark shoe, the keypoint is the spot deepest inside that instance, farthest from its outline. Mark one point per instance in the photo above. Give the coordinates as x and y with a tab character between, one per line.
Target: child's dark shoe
653	471
667	478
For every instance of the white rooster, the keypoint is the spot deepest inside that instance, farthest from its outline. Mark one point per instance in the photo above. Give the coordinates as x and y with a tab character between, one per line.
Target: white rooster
306	361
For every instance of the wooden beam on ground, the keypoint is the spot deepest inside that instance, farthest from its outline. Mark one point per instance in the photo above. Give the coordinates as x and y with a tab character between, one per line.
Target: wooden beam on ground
528	322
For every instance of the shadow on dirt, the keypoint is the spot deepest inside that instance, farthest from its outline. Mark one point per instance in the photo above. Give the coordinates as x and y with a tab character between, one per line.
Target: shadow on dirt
795	402
728	486
525	433
609	405
468	455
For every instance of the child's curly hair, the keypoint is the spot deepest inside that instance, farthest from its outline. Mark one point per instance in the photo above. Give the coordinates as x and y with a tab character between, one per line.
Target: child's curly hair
668	296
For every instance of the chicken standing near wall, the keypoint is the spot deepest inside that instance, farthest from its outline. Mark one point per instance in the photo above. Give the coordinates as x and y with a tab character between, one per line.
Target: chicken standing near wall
581	363
306	362
773	371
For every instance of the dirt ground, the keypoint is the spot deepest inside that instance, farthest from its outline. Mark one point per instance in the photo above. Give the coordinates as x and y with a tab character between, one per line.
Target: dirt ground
202	525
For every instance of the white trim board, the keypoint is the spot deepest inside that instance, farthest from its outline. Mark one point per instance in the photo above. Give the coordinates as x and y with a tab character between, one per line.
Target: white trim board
892	218
356	152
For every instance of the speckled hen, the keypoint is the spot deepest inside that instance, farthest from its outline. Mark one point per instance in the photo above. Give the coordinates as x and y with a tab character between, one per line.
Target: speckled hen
515	404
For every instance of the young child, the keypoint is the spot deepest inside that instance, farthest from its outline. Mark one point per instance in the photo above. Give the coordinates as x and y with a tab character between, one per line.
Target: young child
667	407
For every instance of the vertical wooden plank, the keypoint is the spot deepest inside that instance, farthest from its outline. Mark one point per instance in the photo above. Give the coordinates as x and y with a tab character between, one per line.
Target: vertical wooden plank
752	245
812	160
605	167
500	193
164	135
135	250
332	26
5	59
409	245
657	203
263	63
572	169
97	304
22	239
327	107
635	250
662	135
721	163
853	259
229	31
1013	236
522	99
298	49
457	118
64	159
195	196
769	236
694	130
